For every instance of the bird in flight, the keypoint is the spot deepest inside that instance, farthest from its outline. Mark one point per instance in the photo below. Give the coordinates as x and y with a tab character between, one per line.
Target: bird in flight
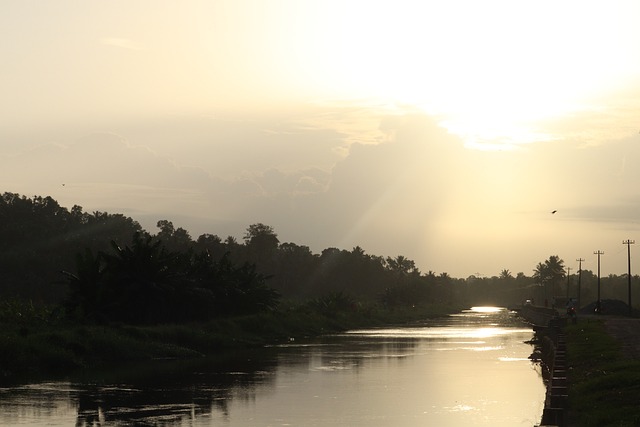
554	211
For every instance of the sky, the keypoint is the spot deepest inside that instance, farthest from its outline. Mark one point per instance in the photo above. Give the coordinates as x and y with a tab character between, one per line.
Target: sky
446	131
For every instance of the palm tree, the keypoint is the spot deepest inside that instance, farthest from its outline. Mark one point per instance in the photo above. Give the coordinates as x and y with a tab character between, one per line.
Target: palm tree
401	265
551	272
555	267
506	274
85	297
141	280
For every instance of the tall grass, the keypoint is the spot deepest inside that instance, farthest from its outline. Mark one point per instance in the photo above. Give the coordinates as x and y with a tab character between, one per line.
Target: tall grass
604	384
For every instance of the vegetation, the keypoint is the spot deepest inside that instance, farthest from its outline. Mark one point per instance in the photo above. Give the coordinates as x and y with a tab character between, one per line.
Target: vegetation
37	341
39	239
604	384
549	275
80	288
147	284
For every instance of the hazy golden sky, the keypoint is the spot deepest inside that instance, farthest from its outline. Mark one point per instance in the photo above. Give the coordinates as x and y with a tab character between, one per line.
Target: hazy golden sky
444	131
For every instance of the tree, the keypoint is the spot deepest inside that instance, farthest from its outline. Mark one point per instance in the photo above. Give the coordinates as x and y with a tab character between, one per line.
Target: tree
261	243
293	269
166	228
550	274
141	281
262	237
223	289
176	239
506	275
401	265
39	238
84	295
210	243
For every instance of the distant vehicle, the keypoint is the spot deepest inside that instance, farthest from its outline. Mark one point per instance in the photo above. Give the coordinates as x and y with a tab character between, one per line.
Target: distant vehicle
528	302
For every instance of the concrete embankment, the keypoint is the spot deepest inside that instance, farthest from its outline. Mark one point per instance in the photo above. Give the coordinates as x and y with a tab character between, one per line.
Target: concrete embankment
556	400
550	326
537	316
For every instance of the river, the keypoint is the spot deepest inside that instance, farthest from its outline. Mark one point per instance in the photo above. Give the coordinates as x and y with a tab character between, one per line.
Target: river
468	369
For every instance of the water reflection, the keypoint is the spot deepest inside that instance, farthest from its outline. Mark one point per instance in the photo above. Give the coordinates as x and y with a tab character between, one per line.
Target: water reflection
159	393
468	369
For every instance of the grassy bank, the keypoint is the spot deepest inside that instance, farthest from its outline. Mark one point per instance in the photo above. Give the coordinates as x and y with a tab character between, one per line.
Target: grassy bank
40	344
604	384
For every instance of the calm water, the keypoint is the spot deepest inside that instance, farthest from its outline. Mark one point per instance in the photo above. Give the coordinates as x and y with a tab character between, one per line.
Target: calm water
470	369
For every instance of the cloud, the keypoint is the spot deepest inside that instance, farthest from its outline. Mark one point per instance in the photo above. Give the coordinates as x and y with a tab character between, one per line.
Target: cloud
275	182
388	197
227	145
308	185
414	191
105	171
384	197
607	118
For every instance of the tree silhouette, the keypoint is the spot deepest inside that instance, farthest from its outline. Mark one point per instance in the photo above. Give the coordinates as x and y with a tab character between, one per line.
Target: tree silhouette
175	239
550	274
84	300
210	243
294	270
506	275
141	281
39	238
261	243
169	277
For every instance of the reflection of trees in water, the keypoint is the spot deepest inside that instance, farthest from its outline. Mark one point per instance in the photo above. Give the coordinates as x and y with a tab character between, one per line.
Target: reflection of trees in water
347	352
42	400
105	404
165	393
170	393
400	347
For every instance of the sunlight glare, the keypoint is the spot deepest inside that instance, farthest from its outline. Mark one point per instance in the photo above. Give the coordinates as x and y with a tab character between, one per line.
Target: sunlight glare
487	309
491	71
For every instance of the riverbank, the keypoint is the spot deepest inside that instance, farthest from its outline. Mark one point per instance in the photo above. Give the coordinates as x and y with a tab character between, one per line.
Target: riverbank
432	372
42	345
604	372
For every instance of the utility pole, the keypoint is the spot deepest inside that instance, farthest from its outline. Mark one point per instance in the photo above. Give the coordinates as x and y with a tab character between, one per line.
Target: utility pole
598	303
579	279
629	243
568	281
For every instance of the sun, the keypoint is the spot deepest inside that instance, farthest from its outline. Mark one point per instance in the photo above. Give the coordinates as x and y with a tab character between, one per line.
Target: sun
493	72
490	71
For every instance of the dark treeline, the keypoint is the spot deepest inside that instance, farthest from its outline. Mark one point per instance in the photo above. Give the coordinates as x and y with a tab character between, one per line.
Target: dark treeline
103	267
39	238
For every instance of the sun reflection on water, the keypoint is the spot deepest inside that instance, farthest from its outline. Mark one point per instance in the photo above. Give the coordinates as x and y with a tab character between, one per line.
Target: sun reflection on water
487	309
